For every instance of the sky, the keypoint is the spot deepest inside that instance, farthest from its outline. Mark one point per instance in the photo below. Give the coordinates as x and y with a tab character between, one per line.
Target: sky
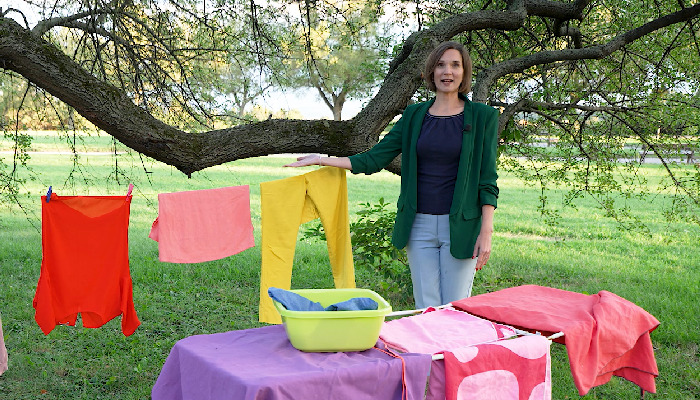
308	103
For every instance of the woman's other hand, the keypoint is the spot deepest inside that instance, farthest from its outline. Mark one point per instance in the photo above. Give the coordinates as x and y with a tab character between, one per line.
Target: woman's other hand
305	161
482	249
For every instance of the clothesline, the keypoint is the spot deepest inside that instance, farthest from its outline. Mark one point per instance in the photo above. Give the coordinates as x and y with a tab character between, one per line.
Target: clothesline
417	311
519	332
441	356
50	191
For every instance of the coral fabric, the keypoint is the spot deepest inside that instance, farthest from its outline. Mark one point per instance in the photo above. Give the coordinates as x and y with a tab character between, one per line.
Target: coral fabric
285	205
203	225
513	369
604	334
435	331
3	352
85	263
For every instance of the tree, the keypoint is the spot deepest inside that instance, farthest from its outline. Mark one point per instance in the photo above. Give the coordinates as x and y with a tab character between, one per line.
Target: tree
228	85
337	52
592	74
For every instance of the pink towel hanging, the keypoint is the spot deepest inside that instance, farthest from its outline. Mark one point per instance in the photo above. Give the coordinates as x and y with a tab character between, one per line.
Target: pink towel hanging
203	225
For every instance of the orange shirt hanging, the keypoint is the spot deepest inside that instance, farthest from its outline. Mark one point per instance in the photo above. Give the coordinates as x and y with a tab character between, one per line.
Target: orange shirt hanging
85	263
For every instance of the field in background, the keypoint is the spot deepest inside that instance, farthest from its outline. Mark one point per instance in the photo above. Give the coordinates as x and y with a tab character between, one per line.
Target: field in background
585	252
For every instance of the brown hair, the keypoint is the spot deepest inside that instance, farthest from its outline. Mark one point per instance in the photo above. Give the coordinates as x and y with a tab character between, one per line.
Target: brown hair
429	74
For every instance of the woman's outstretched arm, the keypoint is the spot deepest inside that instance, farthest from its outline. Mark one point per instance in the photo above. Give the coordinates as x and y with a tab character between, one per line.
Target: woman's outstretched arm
317	159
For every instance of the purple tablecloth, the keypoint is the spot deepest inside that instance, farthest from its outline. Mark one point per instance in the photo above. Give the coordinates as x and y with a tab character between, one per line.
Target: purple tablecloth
261	364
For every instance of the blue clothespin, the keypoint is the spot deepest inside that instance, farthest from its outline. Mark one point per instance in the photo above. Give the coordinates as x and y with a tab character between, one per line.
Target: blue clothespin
48	195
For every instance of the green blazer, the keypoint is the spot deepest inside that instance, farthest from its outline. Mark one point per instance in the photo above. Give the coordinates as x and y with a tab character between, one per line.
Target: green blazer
476	176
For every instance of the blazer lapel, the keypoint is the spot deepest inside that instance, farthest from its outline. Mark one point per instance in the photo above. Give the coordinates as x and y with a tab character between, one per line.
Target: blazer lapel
465	157
416	125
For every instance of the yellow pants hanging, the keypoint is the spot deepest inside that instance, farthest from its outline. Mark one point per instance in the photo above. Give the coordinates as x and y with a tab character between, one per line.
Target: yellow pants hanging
285	205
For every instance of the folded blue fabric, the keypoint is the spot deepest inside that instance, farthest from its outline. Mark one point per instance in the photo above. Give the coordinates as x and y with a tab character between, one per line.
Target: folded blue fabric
296	302
292	301
354	304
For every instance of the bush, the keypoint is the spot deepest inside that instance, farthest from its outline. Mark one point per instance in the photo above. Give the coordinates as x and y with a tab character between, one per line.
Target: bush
372	248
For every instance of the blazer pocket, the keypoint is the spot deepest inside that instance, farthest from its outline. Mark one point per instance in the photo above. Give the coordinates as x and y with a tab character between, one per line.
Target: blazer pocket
471	213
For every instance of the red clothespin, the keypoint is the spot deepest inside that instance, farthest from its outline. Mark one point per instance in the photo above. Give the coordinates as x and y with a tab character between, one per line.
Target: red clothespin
131	187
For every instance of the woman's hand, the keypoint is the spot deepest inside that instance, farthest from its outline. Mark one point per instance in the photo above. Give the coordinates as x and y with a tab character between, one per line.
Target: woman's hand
482	249
317	159
305	161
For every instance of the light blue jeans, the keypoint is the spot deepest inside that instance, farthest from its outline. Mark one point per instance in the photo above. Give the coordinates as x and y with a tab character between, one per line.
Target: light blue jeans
438	278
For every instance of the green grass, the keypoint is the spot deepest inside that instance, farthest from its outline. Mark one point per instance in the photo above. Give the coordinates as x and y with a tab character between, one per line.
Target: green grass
585	252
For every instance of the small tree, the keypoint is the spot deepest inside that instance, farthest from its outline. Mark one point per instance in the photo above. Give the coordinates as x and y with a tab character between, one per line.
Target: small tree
341	54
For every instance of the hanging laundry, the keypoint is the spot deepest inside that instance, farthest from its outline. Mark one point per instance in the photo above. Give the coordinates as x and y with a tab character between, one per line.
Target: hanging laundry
3	352
285	205
604	334
85	263
203	225
512	369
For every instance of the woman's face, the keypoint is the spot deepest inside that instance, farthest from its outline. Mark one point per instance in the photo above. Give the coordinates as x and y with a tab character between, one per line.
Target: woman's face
449	72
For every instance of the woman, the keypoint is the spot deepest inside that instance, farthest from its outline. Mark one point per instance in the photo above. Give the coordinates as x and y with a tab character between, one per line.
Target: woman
448	192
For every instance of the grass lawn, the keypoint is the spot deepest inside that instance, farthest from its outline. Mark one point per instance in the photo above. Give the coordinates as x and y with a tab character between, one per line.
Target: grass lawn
585	252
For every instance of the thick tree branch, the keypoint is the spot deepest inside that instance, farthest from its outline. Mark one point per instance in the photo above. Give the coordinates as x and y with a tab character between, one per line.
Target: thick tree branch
87	28
47	24
556	9
487	77
539	106
110	109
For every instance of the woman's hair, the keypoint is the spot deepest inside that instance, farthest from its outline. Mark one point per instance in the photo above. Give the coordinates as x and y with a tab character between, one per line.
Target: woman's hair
429	74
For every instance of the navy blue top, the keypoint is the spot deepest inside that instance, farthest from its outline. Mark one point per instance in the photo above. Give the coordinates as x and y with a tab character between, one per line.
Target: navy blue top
438	149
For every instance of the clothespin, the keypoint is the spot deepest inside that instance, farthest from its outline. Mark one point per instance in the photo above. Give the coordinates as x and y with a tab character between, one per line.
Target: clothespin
48	195
128	193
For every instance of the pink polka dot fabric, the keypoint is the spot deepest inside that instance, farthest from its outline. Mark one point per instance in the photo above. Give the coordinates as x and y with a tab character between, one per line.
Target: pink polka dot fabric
512	369
483	360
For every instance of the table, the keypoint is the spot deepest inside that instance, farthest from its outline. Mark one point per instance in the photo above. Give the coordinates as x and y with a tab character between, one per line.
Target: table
261	364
